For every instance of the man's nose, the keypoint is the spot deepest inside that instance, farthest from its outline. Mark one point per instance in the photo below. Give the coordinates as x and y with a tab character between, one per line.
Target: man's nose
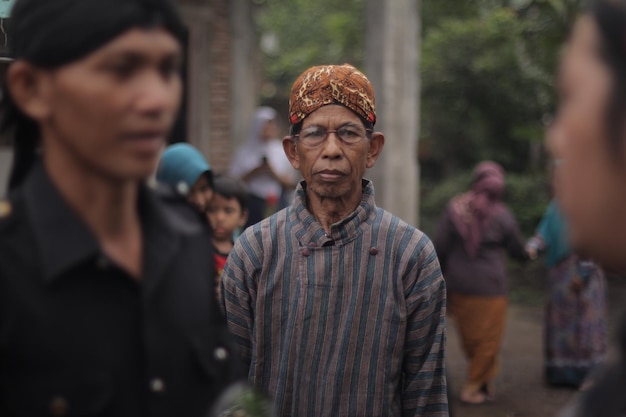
159	94
332	146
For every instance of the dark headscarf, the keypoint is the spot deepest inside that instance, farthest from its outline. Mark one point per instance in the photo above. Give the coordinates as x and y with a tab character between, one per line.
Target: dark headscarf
472	211
53	33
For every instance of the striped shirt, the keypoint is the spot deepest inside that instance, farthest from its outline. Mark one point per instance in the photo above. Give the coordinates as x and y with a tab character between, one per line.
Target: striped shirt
345	324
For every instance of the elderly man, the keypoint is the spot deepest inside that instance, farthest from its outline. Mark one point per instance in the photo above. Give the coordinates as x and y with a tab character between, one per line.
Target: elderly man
337	305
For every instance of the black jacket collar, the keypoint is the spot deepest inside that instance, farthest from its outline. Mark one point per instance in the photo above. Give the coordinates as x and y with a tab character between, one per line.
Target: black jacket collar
64	240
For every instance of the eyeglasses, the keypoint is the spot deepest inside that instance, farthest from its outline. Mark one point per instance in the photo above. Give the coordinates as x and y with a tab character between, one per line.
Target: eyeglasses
315	135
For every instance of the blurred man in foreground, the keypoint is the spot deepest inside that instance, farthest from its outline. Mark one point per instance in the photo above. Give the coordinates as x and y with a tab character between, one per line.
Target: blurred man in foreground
106	303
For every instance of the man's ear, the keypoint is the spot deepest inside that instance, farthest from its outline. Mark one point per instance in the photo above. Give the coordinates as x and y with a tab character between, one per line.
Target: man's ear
291	150
376	147
29	89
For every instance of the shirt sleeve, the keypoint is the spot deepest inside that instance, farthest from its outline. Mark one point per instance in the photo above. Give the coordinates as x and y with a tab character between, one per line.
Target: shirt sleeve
424	391
238	293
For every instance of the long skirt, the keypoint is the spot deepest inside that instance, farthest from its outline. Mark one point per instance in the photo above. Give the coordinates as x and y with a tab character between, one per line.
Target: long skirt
480	322
576	322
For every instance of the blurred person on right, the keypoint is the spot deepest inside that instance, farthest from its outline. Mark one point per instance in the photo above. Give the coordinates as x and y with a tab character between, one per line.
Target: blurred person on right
589	137
472	235
576	313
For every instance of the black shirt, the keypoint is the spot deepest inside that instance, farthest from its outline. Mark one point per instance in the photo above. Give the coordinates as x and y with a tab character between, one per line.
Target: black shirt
80	337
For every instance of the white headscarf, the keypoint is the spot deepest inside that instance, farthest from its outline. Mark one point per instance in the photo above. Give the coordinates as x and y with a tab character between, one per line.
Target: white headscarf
251	154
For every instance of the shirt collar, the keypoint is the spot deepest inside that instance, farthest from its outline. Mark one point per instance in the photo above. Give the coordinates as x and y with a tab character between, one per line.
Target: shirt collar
64	240
310	232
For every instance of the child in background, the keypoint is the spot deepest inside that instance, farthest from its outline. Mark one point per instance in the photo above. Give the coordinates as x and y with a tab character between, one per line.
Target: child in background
227	213
183	168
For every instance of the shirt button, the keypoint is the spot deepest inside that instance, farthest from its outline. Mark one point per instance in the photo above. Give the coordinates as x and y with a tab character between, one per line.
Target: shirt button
373	251
220	353
157	385
305	252
59	407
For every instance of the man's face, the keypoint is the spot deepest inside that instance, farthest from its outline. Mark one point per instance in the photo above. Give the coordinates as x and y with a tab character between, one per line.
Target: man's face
111	111
334	169
589	179
225	216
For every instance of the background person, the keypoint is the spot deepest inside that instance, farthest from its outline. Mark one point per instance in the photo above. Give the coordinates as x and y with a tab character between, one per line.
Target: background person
337	305
261	163
576	314
471	238
183	168
105	306
227	213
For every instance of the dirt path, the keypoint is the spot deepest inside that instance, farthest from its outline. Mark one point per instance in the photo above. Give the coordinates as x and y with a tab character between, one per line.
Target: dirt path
521	391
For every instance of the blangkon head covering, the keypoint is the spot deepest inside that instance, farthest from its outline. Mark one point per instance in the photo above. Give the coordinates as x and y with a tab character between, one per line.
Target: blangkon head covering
332	84
53	33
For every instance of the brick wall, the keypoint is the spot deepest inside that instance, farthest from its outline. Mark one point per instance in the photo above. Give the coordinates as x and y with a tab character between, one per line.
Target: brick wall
220	81
209	81
222	76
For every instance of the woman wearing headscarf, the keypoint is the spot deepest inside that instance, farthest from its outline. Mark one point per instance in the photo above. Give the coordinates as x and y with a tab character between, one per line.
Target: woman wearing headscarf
106	303
471	240
262	164
589	138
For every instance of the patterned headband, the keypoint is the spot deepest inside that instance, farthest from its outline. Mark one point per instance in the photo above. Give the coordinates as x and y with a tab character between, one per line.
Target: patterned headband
332	84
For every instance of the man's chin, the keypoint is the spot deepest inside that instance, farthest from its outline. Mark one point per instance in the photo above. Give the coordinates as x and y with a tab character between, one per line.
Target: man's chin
329	191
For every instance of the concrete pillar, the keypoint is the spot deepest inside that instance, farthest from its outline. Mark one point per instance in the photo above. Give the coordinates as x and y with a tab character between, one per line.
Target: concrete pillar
392	65
245	70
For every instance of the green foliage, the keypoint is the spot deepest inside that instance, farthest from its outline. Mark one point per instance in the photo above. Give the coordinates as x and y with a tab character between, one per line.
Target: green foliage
478	103
528	197
435	197
310	33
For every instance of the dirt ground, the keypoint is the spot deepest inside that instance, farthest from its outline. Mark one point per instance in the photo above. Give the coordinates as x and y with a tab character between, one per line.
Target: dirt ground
521	391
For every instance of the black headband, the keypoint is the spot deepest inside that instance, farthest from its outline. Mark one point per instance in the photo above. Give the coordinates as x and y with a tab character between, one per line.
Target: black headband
53	33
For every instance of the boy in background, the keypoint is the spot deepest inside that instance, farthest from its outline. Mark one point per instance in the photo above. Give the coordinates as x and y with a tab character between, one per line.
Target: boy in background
227	213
